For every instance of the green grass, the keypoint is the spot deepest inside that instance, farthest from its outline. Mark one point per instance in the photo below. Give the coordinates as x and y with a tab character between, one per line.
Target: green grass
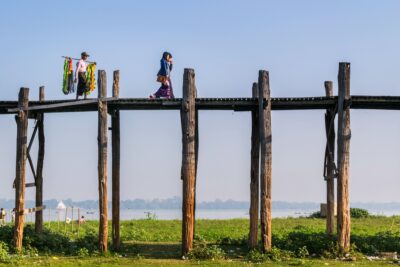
157	242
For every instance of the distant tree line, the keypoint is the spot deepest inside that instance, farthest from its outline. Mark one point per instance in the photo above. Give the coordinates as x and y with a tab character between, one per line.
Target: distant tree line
176	202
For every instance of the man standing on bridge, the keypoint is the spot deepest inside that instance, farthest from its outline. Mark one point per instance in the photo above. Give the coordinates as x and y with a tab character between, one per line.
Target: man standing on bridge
80	76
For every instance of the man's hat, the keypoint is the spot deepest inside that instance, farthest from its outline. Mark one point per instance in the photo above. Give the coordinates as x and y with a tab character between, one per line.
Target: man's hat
84	54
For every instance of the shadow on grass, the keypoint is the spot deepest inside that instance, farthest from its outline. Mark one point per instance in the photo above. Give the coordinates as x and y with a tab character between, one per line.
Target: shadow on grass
150	250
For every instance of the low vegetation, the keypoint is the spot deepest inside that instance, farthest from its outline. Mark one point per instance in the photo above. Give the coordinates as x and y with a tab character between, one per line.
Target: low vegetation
295	240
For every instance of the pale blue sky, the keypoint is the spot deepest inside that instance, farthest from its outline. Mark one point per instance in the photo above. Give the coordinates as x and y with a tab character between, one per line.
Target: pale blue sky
226	42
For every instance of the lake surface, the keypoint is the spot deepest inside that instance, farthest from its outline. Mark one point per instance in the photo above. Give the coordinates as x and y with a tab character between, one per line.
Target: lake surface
175	214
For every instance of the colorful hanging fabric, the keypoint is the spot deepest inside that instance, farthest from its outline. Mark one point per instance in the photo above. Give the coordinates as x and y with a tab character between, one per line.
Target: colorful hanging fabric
90	78
68	79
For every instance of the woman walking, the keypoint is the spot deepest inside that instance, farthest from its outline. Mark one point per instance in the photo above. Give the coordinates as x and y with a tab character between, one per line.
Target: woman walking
163	76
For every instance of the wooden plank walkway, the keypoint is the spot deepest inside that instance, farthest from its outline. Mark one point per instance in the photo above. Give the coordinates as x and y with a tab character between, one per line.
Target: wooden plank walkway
236	104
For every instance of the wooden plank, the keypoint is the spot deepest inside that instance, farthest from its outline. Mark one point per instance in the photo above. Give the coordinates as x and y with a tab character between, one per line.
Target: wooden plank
35	209
30	184
254	174
58	105
330	154
39	166
188	172
22	130
238	104
102	161
115	142
343	158
265	159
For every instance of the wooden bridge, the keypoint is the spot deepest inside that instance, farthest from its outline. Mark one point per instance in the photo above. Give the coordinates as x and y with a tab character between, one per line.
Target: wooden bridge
260	105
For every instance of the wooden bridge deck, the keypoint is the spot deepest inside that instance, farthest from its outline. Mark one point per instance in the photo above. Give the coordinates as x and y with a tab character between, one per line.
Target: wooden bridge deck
236	104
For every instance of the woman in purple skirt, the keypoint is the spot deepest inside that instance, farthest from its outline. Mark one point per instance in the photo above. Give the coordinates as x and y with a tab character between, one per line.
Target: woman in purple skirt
163	76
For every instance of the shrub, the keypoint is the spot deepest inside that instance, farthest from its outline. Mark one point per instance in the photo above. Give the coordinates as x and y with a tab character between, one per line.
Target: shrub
359	213
255	255
316	214
202	251
277	254
89	242
83	252
4	256
302	252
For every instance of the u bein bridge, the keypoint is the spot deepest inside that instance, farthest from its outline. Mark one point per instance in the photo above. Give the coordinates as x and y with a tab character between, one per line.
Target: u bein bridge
260	106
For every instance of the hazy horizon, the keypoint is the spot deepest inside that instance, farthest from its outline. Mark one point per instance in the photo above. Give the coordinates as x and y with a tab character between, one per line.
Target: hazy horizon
226	42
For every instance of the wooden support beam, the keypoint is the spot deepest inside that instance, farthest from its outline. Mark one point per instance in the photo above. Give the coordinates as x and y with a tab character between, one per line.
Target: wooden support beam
35	209
188	120
254	174
343	158
22	138
102	161
39	166
330	159
115	142
31	165
265	158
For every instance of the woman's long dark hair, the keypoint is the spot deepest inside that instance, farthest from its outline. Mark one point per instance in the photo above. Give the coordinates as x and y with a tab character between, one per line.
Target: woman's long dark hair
166	54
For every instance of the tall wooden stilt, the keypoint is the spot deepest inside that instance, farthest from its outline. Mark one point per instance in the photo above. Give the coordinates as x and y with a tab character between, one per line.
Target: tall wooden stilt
266	158
22	140
102	161
330	159
196	134
39	167
115	126
188	120
343	157
254	174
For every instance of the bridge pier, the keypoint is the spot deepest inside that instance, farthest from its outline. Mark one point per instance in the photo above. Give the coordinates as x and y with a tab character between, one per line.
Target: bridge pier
115	143
39	166
102	160
329	164
20	177
189	159
343	158
265	158
254	174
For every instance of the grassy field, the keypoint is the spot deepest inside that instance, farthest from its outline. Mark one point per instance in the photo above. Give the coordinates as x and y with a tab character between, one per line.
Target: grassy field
297	242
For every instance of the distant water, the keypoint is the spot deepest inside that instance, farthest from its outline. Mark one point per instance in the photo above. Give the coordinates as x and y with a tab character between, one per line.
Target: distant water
174	214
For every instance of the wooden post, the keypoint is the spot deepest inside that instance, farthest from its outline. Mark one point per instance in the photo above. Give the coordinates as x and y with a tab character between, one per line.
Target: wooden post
254	174
115	126
102	161
72	219
65	221
188	120
330	158
266	158
39	168
22	138
79	220
343	157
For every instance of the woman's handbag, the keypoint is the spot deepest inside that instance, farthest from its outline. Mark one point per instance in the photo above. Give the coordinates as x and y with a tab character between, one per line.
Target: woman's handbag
162	79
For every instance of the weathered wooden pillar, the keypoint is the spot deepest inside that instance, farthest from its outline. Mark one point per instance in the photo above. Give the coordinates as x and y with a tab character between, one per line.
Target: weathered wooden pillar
188	120
265	158
254	174
102	161
22	138
330	159
39	167
343	157
115	141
